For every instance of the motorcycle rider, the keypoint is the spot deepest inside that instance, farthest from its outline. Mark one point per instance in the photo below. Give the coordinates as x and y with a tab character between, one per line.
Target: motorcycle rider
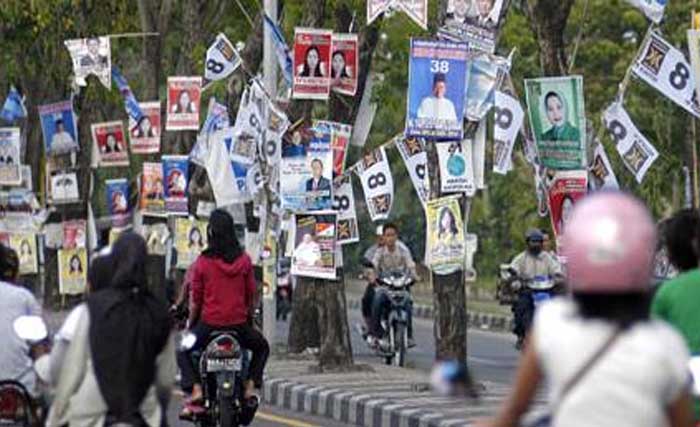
532	262
370	277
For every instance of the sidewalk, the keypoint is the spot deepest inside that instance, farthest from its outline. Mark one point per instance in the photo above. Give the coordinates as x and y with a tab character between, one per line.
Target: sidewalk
378	396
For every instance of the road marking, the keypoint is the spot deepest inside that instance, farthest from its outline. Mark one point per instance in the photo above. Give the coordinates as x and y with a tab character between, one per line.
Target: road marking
282	420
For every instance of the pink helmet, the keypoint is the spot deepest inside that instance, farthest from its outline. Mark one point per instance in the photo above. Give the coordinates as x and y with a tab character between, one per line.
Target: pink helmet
609	244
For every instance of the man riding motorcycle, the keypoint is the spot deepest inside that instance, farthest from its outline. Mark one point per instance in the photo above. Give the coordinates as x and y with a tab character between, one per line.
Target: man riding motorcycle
529	264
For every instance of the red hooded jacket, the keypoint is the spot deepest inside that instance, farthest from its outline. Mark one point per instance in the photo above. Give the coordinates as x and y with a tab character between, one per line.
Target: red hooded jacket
221	292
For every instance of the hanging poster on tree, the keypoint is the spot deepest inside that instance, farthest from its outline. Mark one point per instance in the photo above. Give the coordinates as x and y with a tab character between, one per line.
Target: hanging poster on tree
601	174
436	87
344	64
217	119
252	114
307	170
479	156
24	245
567	188
277	126
10	170
415	160
312	68
190	240
446	246
117	192
456	173
473	21
58	126
222	59
175	176
485	73
62	186
557	115
665	68
152	196
652	9
72	271
637	153
417	10
74	234
377	183
314	245
340	139
145	135
344	205
91	56
184	96
508	120
110	143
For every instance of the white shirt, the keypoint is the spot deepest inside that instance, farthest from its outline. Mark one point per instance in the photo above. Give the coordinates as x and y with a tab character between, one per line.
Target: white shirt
631	385
62	142
437	108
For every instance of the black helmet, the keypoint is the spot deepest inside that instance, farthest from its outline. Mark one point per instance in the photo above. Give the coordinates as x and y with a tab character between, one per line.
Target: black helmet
534	235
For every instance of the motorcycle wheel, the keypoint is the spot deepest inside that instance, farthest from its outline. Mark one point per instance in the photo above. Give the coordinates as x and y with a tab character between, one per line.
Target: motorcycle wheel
400	345
226	416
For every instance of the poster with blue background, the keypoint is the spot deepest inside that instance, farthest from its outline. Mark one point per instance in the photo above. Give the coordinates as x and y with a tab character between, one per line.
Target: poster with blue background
175	178
59	128
117	192
306	174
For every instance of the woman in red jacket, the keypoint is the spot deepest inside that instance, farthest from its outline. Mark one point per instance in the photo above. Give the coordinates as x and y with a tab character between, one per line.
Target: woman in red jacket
223	297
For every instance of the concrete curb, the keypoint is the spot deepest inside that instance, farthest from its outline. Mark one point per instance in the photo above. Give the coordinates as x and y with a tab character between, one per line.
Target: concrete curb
486	321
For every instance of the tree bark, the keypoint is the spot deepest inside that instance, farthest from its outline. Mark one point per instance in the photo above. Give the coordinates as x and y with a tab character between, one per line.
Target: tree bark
304	331
548	20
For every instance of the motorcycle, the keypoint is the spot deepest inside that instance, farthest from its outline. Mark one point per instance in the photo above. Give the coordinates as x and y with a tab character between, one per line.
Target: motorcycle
397	285
223	364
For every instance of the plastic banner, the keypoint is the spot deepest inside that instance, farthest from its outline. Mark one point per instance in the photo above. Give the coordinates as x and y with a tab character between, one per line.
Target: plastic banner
344	205
72	271
222	59
601	174
307	173
10	172
456	173
345	64
131	105
277	126
312	69
508	120
217	119
436	87
59	127
377	183
24	245
415	159
446	248
566	189
652	9
91	56
638	154
340	139
557	116
282	51
476	22
63	187
110	143
14	107
175	177
252	115
117	192
184	95
220	169
152	196
485	73
665	68
190	240
314	245
145	135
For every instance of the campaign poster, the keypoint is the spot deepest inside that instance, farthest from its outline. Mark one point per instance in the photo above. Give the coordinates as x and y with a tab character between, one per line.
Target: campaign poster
436	85
152	197
344	205
377	183
314	245
145	135
58	126
217	119
557	114
175	191
184	96
72	271
415	159
63	187
376	8
601	174
473	21
74	234
307	169
277	126
340	140
446	248
456	172
567	188
507	122
110	143
91	56
10	172
312	68
190	240
345	64
484	74
222	59
24	245
117	194
156	237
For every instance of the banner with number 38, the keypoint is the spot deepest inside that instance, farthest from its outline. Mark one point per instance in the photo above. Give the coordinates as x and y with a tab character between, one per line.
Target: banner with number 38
222	59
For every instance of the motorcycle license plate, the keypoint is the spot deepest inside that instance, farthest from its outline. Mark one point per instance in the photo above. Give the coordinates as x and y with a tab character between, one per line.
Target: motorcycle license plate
215	365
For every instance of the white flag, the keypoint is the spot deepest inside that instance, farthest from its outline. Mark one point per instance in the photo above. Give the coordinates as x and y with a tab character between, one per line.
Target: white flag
344	205
479	155
601	174
665	68
222	59
415	159
636	151
508	119
456	169
653	9
91	56
252	114
220	171
377	184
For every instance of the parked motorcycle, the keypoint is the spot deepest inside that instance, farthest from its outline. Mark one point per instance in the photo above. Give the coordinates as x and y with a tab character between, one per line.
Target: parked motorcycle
397	285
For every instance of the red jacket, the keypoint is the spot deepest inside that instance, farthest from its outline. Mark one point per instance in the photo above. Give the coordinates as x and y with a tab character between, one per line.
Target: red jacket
222	293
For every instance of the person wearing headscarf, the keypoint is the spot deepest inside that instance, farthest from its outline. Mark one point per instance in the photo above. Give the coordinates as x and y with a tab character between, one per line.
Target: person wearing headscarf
556	109
119	365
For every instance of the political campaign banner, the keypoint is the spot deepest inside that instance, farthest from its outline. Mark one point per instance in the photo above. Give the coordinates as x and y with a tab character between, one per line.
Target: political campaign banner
72	271
507	122
190	240
156	237
436	87
652	9
74	234
226	187
117	195
344	205
63	186
312	68
222	59
10	171
306	175
13	108
601	174
91	56
252	115
377	183
217	119
365	114
282	51
145	135
277	126
152	194
175	178
473	21
184	96
345	64
637	153
415	159
567	188
665	68
484	74
479	156
694	49
131	105
59	128
446	248
417	10
340	139
110	143
557	116
456	173
24	245
314	245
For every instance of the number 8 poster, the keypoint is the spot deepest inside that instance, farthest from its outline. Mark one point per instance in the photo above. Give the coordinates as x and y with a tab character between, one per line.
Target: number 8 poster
436	83
377	184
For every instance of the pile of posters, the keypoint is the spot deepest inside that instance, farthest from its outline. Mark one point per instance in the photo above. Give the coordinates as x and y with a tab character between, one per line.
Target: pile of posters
446	248
315	245
306	174
184	96
190	240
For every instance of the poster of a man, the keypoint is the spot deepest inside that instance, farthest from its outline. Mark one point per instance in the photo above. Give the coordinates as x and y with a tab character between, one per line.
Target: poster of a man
317	182
61	140
474	21
58	127
486	14
436	106
92	57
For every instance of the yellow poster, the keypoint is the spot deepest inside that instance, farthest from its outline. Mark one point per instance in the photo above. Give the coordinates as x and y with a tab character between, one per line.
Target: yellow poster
190	240
72	271
446	246
25	246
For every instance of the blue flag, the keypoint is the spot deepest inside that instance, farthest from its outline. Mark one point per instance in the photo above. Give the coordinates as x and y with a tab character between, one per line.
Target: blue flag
281	49
130	103
13	108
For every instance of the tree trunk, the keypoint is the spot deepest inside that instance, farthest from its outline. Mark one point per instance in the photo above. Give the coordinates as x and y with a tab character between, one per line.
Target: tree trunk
336	347
548	20
304	324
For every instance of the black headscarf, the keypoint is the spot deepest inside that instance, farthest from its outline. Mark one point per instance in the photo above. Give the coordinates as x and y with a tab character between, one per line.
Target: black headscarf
99	274
221	235
129	328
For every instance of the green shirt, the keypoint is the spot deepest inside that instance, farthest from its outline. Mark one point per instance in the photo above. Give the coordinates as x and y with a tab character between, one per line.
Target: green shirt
565	132
678	303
